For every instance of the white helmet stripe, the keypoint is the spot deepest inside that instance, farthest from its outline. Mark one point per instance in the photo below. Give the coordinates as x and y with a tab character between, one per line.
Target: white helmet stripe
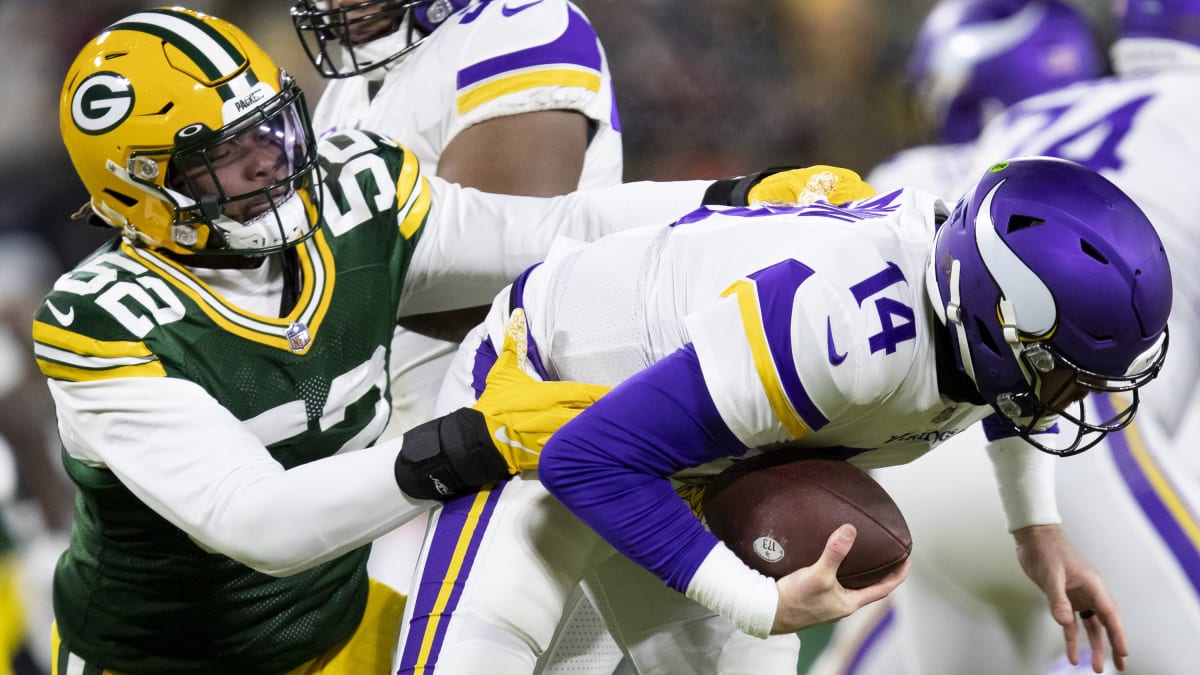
973	44
209	49
1030	300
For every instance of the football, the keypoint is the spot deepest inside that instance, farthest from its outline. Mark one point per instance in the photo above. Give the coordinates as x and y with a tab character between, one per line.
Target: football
777	513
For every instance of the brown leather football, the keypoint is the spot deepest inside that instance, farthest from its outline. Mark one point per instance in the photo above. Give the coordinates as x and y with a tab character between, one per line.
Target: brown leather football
776	514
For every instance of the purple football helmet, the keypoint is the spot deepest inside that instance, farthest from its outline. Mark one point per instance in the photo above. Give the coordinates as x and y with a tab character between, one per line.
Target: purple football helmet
1047	267
1157	33
352	38
973	58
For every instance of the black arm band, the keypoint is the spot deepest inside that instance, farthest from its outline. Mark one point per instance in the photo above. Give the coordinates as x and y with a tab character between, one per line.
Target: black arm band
735	191
448	457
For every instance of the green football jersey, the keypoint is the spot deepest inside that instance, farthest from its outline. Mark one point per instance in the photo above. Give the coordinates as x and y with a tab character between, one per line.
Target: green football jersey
135	594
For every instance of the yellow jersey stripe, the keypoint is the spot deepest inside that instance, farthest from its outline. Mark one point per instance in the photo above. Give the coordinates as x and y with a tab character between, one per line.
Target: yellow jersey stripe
1162	487
316	260
417	213
60	371
747	298
73	342
552	77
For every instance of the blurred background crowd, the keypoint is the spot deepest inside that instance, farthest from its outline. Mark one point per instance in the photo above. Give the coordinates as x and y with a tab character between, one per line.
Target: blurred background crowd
705	88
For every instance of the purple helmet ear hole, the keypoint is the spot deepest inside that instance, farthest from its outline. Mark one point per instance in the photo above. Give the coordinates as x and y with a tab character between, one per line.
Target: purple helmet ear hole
986	341
428	16
1092	251
1019	222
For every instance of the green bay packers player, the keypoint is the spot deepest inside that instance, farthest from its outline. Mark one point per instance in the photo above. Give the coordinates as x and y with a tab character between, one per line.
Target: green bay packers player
219	370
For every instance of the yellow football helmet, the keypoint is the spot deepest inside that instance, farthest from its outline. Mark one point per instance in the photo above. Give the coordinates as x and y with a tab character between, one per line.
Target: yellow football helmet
189	138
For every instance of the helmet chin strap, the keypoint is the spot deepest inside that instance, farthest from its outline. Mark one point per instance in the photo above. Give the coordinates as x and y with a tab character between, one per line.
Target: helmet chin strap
1008	325
277	226
186	236
951	314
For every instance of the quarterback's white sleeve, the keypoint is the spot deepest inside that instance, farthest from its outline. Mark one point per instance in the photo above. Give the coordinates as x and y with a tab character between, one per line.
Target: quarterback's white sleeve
1025	476
475	242
196	465
724	584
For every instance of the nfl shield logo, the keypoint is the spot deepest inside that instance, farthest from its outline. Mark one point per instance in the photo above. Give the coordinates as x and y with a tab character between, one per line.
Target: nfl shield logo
944	415
297	336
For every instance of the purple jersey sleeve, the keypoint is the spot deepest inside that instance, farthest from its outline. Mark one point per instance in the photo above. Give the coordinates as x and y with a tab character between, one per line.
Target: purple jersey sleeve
610	466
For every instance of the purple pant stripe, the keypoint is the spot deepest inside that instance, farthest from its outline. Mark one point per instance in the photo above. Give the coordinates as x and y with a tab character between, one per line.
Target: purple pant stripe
461	523
1153	500
878	631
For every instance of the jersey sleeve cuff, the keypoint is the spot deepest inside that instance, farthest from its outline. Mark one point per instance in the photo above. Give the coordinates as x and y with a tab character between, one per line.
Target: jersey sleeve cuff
1025	477
724	584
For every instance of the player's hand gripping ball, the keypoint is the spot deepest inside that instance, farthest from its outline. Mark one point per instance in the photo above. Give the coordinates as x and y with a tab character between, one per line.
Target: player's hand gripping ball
776	515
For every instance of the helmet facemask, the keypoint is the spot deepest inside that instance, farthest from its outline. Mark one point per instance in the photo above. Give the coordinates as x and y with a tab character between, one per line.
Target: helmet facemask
1056	392
272	148
362	37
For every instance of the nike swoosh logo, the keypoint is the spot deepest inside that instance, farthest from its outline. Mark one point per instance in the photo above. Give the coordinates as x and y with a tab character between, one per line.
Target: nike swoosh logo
64	318
509	11
502	434
834	357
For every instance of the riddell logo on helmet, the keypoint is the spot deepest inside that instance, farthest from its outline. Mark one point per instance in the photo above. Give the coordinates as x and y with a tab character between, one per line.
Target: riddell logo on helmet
102	101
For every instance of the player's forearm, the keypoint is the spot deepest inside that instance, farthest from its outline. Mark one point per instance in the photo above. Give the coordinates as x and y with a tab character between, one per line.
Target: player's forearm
591	466
194	464
1025	478
284	522
476	243
610	466
726	585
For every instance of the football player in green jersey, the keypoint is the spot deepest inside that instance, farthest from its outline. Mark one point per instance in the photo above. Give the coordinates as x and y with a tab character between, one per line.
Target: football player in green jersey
219	369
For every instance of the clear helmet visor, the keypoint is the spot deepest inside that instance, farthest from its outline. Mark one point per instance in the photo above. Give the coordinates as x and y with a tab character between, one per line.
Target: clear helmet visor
250	182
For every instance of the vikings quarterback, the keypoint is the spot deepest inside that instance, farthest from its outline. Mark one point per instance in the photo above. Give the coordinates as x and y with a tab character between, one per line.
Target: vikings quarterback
875	329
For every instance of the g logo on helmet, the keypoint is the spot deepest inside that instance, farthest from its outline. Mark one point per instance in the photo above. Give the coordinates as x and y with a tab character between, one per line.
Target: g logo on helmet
101	103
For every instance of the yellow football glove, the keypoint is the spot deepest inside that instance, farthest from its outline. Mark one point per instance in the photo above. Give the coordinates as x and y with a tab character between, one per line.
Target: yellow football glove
801	187
503	433
522	413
